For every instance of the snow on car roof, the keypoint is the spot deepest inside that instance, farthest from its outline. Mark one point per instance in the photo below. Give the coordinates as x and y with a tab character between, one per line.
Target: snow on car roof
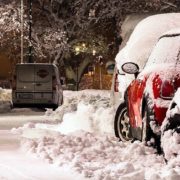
172	32
145	36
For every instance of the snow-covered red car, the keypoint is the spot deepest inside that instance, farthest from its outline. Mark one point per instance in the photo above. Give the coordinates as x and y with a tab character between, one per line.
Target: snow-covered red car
136	48
147	98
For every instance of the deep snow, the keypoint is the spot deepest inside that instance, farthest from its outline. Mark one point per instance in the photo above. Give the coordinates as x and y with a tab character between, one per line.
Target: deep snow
79	136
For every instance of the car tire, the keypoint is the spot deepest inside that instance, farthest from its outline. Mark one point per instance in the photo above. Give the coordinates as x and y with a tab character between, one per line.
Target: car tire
147	132
55	106
172	122
121	123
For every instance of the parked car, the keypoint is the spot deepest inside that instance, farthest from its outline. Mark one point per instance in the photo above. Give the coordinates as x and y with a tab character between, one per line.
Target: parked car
138	49
147	98
36	84
119	80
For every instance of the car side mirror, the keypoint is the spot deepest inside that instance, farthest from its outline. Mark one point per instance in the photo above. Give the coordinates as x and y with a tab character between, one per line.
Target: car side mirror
130	68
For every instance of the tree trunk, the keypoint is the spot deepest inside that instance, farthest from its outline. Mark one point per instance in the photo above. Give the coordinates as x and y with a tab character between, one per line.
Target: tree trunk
77	72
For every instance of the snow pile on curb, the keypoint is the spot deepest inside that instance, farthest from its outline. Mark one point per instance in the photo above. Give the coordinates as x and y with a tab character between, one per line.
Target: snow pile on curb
97	157
5	100
87	110
170	142
88	149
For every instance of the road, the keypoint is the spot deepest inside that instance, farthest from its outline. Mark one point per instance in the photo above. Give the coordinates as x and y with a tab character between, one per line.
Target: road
17	165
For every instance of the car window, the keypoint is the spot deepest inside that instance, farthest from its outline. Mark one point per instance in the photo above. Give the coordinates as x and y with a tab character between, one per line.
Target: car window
166	51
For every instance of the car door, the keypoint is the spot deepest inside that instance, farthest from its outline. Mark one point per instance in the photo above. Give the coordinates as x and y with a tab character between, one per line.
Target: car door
135	97
25	78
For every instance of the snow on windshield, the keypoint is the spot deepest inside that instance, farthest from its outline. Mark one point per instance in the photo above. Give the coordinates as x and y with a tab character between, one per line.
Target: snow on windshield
167	50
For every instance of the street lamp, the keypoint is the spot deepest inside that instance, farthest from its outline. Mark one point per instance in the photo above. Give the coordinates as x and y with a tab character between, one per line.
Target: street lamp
30	60
77	50
22	27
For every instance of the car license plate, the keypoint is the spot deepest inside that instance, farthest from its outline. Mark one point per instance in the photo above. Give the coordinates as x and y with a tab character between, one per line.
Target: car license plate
26	96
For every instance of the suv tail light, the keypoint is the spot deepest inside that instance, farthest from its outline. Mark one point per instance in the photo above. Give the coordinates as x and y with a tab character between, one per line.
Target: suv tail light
116	83
54	83
167	90
14	83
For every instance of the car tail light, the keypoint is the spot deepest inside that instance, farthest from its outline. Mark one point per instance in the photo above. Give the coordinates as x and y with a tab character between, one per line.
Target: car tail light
167	90
14	83
116	83
54	82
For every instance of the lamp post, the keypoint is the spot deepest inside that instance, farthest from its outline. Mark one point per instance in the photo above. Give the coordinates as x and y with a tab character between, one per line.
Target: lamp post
22	27
100	58
30	60
77	49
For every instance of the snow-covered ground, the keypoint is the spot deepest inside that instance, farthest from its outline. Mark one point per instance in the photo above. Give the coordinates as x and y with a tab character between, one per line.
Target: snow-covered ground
5	99
78	138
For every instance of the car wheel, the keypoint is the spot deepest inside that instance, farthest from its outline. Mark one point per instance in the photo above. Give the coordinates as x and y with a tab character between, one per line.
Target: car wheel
147	132
172	121
121	123
55	106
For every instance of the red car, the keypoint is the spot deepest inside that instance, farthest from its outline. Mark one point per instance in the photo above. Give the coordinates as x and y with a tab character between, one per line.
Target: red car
147	98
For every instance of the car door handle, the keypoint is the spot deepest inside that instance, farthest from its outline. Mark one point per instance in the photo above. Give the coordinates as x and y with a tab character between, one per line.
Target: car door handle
38	84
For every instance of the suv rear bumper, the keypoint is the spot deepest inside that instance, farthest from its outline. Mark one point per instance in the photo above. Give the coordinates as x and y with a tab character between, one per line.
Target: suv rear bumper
36	99
23	105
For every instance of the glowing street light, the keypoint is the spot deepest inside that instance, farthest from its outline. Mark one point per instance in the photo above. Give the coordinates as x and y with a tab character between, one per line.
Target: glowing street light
77	49
94	52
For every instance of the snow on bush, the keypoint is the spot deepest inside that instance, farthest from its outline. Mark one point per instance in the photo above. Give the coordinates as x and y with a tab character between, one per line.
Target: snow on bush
5	100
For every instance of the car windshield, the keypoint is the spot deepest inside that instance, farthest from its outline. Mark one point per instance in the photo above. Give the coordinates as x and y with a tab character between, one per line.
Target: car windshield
166	51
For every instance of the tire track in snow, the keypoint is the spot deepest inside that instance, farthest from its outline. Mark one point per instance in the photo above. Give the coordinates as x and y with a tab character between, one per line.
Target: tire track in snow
16	173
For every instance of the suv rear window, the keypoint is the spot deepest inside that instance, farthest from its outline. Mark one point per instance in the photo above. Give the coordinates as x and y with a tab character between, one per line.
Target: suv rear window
25	73
31	73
